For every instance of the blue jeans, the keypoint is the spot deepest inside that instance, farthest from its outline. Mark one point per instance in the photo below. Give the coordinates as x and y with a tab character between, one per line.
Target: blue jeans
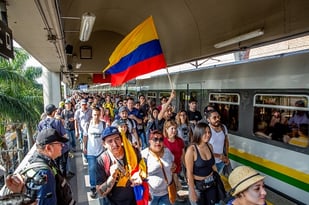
160	200
220	167
104	201
71	136
205	197
81	136
142	135
92	165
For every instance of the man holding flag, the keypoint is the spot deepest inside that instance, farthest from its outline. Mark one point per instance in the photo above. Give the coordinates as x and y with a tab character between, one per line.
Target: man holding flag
120	171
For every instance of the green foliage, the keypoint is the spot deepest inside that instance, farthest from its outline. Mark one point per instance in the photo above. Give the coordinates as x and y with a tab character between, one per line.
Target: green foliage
21	97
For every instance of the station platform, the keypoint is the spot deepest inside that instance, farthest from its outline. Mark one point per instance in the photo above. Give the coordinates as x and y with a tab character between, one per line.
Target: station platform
81	188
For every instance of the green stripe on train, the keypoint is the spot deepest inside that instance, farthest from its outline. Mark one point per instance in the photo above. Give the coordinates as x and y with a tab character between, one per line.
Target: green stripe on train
282	177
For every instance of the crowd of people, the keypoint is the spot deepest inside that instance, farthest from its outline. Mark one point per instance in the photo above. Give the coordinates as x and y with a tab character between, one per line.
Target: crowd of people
182	147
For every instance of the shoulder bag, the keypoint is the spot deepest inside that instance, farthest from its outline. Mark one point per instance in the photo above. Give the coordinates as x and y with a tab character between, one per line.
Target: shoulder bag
171	188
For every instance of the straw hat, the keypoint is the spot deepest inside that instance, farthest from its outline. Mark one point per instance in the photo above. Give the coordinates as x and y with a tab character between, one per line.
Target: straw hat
243	177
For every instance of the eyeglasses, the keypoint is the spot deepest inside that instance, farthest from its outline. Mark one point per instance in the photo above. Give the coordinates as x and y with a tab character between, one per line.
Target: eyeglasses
60	143
157	139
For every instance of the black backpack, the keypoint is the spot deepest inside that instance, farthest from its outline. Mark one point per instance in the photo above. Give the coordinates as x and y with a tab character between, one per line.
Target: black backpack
48	123
29	172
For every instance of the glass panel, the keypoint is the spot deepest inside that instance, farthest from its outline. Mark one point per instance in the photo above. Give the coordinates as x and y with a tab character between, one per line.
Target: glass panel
132	94
284	118
230	98
227	104
280	100
151	95
229	115
183	98
165	94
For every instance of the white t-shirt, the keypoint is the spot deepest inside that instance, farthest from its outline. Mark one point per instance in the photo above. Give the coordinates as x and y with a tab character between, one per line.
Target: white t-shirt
217	141
94	143
156	180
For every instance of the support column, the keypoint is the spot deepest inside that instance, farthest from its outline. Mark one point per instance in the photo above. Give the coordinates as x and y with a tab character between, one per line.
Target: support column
51	87
66	90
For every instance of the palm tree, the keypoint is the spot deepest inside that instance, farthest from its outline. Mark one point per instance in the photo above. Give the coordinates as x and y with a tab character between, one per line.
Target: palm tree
21	97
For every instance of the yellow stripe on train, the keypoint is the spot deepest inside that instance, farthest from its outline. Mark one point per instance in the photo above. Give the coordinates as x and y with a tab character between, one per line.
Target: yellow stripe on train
296	174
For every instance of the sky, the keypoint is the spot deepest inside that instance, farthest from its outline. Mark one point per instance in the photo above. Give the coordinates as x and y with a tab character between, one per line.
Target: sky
31	61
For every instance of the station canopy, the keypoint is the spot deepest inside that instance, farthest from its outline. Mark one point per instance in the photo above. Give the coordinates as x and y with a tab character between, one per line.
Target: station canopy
188	30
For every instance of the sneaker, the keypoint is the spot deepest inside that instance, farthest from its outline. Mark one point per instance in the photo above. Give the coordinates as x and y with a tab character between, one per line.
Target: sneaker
85	161
180	198
93	193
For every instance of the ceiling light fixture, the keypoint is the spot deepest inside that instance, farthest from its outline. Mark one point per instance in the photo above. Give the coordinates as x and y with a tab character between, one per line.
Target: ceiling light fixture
237	39
78	65
86	26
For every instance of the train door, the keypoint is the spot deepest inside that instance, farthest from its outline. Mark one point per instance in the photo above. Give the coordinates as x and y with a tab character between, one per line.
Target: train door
182	99
187	92
163	97
151	99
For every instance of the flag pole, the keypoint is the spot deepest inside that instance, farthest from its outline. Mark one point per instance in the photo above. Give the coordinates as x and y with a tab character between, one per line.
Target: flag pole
169	79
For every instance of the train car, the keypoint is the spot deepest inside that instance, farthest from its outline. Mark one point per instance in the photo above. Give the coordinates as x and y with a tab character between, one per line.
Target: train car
248	94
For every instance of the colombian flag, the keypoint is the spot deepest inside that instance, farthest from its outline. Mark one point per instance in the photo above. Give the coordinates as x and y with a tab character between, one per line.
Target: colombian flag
141	192
101	78
138	53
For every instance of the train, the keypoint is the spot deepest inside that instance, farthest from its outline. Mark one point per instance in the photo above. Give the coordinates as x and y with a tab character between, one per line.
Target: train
247	93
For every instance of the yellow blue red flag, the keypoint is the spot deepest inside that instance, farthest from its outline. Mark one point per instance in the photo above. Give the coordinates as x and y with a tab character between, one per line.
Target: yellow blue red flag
141	192
138	53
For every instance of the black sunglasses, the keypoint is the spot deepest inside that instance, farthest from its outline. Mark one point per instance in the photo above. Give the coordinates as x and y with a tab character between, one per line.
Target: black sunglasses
157	139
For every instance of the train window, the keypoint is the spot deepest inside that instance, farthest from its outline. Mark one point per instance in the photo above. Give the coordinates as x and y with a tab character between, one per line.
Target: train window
282	118
185	96
280	101
165	94
132	95
227	104
228	98
152	95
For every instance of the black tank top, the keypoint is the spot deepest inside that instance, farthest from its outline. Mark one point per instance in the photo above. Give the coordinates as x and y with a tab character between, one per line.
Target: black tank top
202	167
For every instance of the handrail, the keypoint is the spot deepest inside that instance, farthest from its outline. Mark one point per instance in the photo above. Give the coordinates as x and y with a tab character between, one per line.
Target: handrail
22	164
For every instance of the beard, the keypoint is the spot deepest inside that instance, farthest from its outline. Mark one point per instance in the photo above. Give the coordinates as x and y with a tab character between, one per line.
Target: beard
215	124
